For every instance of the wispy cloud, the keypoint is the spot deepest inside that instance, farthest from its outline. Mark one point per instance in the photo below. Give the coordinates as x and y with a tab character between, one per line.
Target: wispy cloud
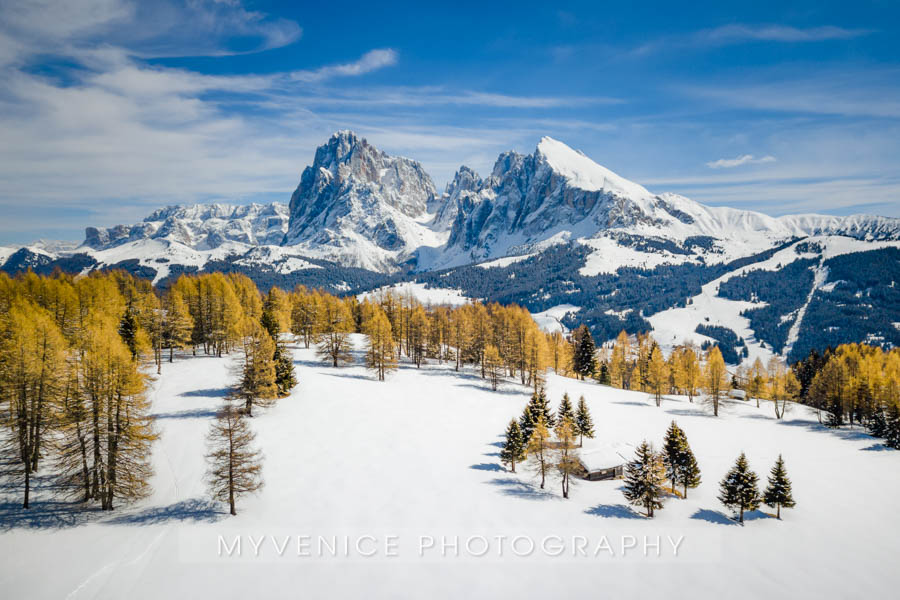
370	61
745	159
737	33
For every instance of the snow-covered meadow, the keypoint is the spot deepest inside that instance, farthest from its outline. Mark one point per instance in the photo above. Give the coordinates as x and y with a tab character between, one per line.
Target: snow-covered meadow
413	462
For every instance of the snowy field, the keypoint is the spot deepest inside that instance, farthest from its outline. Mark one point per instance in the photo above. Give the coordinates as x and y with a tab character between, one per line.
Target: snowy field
416	458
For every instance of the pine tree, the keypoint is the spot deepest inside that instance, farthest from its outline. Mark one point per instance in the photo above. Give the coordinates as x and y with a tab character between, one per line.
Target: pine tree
644	478
285	379
526	422
674	443
892	426
738	490
778	493
514	449
128	330
565	410
234	465
877	424
603	377
540	406
584	362
584	424
538	448
566	458
681	464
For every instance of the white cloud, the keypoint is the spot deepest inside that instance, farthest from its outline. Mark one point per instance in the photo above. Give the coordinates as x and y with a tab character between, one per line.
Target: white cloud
735	33
370	61
745	159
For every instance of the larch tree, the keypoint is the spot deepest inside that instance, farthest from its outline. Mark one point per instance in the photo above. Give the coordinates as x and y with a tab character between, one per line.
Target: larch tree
619	366
513	451
566	453
644	477
757	380
715	379
334	328
234	465
657	374
32	380
538	448
177	323
739	489
689	375
493	366
380	353
584	424
583	360
778	493
257	381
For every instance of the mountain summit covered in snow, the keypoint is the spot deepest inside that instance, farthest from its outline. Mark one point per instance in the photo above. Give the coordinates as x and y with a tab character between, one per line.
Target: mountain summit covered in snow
546	230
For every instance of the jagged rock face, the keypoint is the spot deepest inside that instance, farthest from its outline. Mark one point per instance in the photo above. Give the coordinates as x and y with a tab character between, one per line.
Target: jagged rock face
349	173
199	226
357	204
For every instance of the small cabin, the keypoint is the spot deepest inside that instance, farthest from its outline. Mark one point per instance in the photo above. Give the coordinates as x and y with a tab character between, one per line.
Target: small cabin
604	462
738	394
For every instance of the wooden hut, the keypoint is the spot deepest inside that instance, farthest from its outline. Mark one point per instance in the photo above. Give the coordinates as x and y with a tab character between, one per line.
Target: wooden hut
604	462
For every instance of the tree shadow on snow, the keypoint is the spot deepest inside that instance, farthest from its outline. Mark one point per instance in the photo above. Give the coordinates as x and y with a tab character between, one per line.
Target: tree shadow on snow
486	387
491	453
520	489
877	448
194	509
631	403
613	511
49	514
487	467
713	516
351	375
196	413
845	433
686	412
207	393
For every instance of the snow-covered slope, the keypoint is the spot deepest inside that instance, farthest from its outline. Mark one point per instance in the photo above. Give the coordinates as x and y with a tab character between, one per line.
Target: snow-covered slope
416	457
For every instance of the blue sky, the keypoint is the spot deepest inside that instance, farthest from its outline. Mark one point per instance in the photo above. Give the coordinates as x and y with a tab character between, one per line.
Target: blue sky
111	108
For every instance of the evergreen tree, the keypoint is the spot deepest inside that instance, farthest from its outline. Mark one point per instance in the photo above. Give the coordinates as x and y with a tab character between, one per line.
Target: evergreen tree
584	424
644	478
674	444
778	493
565	410
738	490
514	449
285	379
877	425
128	330
892	427
526	422
583	361
603	377
681	464
234	465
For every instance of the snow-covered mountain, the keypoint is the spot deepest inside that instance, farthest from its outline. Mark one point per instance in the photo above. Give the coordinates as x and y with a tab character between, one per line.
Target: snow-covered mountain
199	226
359	206
558	194
547	229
